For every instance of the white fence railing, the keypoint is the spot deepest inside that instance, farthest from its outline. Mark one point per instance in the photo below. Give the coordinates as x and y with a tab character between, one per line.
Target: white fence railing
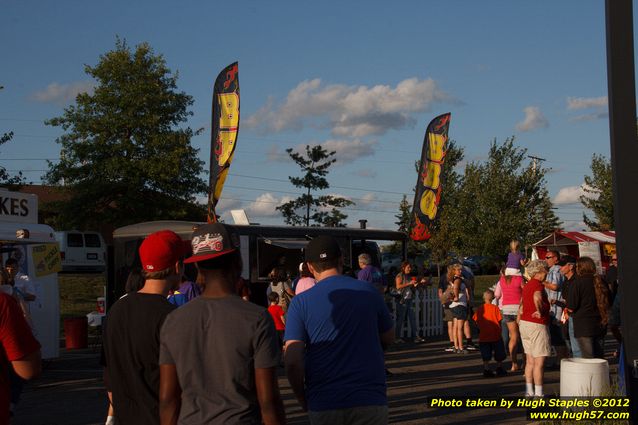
428	312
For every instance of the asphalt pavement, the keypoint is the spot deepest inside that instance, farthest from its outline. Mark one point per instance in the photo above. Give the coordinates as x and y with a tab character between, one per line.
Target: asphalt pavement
70	390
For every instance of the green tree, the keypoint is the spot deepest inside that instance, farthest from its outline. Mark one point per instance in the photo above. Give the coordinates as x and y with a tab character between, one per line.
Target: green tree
6	179
124	156
322	210
599	194
502	199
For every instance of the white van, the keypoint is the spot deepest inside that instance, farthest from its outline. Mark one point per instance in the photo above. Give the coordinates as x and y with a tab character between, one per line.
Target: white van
82	251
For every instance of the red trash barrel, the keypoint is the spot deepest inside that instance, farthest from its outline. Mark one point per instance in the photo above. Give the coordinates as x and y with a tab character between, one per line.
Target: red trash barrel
76	332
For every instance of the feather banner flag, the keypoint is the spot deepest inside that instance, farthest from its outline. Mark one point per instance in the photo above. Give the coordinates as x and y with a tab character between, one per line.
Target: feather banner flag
224	129
428	185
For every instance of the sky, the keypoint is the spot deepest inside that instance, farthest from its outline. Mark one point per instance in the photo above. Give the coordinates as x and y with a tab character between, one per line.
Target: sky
362	78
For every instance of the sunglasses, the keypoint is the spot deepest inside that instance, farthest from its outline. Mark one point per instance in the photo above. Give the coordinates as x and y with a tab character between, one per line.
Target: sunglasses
549	256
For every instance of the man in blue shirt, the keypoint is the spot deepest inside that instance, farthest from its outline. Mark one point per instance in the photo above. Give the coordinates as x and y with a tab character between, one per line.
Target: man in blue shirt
553	287
335	334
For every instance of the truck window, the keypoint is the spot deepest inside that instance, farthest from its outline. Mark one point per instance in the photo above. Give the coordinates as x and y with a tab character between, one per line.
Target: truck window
91	240
74	240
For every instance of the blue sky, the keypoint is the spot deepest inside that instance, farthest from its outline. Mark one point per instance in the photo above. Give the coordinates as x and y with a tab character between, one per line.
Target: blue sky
363	78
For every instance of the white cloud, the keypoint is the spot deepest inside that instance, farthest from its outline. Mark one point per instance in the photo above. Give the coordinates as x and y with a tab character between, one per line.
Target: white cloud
599	104
367	199
265	204
534	119
63	94
349	150
350	111
575	103
346	151
568	195
571	195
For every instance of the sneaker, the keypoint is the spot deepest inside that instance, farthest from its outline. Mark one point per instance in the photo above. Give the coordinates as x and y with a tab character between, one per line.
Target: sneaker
418	339
450	349
462	351
500	372
399	341
471	347
488	373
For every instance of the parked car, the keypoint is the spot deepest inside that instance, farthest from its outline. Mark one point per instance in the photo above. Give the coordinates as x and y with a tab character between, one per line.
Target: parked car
486	264
82	251
390	263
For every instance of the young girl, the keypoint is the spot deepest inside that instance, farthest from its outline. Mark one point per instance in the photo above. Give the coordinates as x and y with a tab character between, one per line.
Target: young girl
515	260
277	314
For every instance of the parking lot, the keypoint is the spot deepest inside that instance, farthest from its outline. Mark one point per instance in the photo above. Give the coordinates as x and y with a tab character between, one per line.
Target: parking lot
70	390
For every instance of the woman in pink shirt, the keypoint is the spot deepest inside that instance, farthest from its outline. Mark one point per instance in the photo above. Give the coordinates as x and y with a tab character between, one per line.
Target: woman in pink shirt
307	281
508	292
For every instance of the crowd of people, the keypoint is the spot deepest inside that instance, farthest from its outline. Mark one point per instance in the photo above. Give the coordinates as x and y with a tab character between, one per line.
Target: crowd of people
214	357
184	345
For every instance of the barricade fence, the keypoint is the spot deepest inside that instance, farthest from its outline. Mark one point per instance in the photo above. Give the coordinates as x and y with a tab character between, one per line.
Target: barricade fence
428	311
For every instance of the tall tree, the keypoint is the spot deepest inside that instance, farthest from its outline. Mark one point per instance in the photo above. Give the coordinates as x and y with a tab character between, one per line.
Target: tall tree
599	195
124	155
502	199
321	210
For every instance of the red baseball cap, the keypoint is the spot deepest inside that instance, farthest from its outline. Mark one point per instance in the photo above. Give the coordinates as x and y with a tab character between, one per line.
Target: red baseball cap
161	250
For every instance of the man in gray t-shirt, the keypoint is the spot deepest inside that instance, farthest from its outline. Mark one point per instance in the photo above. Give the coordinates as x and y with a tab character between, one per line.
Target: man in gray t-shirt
218	353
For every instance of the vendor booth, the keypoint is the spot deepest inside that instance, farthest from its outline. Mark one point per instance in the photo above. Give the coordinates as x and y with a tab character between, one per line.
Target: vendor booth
599	246
34	247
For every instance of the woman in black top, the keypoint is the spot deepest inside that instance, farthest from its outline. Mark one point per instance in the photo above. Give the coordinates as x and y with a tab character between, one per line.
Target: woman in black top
588	302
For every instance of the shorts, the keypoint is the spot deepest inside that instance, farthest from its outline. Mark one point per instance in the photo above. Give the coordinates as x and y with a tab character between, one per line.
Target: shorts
488	348
447	315
535	337
508	318
556	334
459	312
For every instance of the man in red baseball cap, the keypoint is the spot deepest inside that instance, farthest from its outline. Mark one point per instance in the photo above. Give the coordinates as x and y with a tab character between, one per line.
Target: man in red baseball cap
131	341
219	354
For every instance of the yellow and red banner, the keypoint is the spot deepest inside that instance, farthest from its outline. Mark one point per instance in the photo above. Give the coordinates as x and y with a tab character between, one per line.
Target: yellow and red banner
427	194
224	129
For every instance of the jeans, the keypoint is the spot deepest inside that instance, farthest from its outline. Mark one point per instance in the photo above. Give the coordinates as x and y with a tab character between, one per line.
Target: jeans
576	352
404	310
592	347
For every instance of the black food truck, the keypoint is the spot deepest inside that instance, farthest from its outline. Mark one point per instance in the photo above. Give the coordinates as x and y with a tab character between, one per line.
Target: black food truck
262	248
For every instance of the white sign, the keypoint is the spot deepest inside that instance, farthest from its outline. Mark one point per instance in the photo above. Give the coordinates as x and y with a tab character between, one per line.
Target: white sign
16	207
591	250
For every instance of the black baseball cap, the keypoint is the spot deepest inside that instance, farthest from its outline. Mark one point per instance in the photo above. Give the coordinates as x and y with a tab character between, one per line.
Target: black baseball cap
566	259
322	248
211	241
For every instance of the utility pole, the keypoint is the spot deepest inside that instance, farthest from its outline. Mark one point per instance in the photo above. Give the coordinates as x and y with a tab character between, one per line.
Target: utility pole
624	148
535	162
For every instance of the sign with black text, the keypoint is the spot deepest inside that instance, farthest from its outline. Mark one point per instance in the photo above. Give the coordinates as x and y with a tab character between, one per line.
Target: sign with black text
17	207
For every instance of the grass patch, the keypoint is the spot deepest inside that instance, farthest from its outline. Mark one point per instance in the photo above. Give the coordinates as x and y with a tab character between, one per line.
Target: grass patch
481	283
78	293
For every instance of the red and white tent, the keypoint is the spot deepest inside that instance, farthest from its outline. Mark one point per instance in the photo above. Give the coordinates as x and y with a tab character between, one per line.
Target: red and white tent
598	245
